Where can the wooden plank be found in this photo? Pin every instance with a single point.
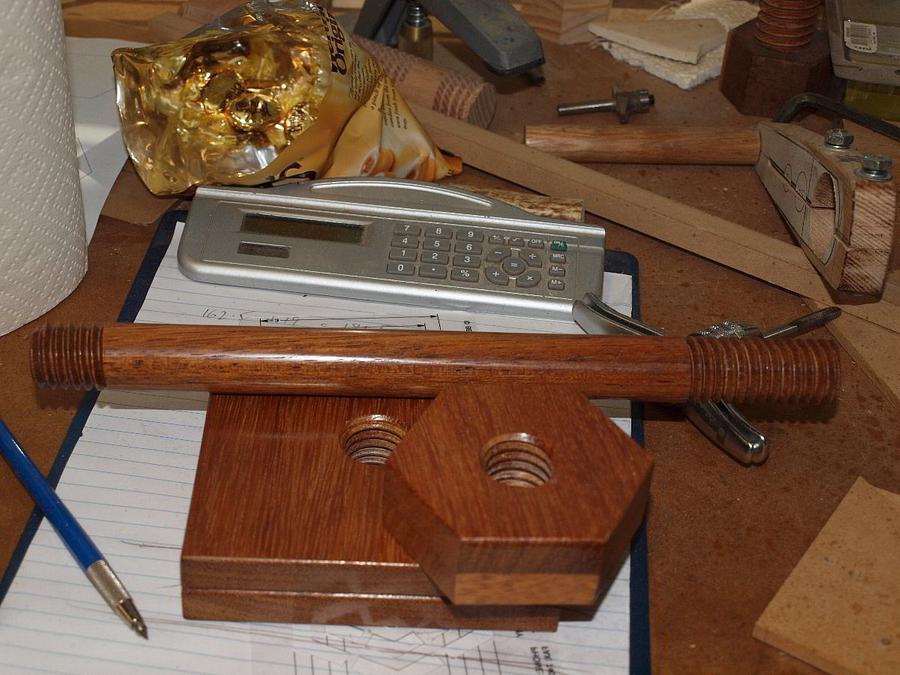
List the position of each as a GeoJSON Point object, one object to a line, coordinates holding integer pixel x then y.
{"type": "Point", "coordinates": [875, 349]}
{"type": "Point", "coordinates": [727, 243]}
{"type": "Point", "coordinates": [683, 40]}
{"type": "Point", "coordinates": [840, 608]}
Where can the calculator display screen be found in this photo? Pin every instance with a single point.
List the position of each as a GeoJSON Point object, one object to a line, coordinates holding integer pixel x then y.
{"type": "Point", "coordinates": [259, 223]}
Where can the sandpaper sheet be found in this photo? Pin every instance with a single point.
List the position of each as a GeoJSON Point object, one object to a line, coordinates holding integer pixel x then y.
{"type": "Point", "coordinates": [840, 608]}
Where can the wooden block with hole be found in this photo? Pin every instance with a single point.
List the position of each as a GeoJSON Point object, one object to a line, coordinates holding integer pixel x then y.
{"type": "Point", "coordinates": [285, 522]}
{"type": "Point", "coordinates": [512, 495]}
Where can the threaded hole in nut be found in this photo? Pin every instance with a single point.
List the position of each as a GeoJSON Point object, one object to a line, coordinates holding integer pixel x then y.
{"type": "Point", "coordinates": [372, 439]}
{"type": "Point", "coordinates": [516, 460]}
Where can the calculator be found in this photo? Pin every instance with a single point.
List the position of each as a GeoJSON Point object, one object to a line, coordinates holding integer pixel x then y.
{"type": "Point", "coordinates": [392, 240]}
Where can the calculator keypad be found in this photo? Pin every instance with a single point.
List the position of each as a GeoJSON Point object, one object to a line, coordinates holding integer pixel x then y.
{"type": "Point", "coordinates": [433, 271]}
{"type": "Point", "coordinates": [437, 245]}
{"type": "Point", "coordinates": [464, 254]}
{"type": "Point", "coordinates": [402, 254]}
{"type": "Point", "coordinates": [436, 257]}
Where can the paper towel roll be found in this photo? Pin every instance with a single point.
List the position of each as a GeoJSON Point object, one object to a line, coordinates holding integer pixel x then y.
{"type": "Point", "coordinates": [43, 253]}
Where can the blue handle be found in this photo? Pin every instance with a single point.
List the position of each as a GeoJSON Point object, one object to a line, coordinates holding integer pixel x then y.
{"type": "Point", "coordinates": [76, 539]}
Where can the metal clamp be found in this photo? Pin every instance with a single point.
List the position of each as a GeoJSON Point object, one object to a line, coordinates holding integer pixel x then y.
{"type": "Point", "coordinates": [720, 422]}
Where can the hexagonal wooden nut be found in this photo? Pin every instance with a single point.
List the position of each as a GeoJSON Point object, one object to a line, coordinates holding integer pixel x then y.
{"type": "Point", "coordinates": [509, 496]}
{"type": "Point", "coordinates": [758, 79]}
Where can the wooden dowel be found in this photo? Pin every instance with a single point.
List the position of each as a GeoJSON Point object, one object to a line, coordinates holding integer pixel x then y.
{"type": "Point", "coordinates": [421, 363]}
{"type": "Point", "coordinates": [646, 145]}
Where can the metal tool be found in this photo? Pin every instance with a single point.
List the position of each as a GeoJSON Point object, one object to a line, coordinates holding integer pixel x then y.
{"type": "Point", "coordinates": [623, 103]}
{"type": "Point", "coordinates": [493, 29]}
{"type": "Point", "coordinates": [720, 422]}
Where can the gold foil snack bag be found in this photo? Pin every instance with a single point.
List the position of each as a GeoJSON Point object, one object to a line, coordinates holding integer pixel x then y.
{"type": "Point", "coordinates": [268, 92]}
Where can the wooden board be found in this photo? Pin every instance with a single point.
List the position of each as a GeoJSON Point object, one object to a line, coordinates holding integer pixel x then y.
{"type": "Point", "coordinates": [875, 349]}
{"type": "Point", "coordinates": [840, 608]}
{"type": "Point", "coordinates": [282, 519]}
{"type": "Point", "coordinates": [678, 39]}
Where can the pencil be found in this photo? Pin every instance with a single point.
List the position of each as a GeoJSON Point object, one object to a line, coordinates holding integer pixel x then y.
{"type": "Point", "coordinates": [73, 536]}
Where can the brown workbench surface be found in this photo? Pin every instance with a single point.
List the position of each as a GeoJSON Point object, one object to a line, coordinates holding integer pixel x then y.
{"type": "Point", "coordinates": [722, 538]}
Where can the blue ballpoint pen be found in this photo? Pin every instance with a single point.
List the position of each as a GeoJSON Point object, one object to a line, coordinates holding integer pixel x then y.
{"type": "Point", "coordinates": [74, 537]}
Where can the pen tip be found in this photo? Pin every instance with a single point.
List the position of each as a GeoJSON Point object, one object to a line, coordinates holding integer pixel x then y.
{"type": "Point", "coordinates": [132, 616]}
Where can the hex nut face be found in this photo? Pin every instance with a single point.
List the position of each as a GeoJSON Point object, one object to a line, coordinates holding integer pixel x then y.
{"type": "Point", "coordinates": [516, 497]}
{"type": "Point", "coordinates": [758, 80]}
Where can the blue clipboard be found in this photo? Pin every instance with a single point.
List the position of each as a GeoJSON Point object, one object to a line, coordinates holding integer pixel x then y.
{"type": "Point", "coordinates": [616, 261]}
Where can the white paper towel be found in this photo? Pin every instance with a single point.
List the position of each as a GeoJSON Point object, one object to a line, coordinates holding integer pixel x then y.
{"type": "Point", "coordinates": [42, 238]}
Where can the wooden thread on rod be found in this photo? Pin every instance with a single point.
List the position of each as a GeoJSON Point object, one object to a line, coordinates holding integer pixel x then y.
{"type": "Point", "coordinates": [786, 25]}
{"type": "Point", "coordinates": [463, 96]}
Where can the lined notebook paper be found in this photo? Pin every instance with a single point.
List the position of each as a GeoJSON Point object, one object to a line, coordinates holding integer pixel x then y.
{"type": "Point", "coordinates": [129, 481]}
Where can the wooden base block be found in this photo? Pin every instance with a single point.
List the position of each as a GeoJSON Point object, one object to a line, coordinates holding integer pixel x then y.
{"type": "Point", "coordinates": [285, 525]}
{"type": "Point", "coordinates": [358, 609]}
{"type": "Point", "coordinates": [278, 505]}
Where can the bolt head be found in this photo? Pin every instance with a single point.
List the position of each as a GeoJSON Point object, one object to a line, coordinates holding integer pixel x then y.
{"type": "Point", "coordinates": [877, 163]}
{"type": "Point", "coordinates": [838, 138]}
{"type": "Point", "coordinates": [876, 167]}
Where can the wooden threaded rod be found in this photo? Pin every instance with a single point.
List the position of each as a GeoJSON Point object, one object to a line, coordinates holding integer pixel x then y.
{"type": "Point", "coordinates": [786, 25]}
{"type": "Point", "coordinates": [420, 364]}
{"type": "Point", "coordinates": [465, 97]}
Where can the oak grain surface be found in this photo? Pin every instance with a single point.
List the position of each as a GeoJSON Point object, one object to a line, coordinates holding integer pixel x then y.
{"type": "Point", "coordinates": [509, 495]}
{"type": "Point", "coordinates": [285, 525]}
